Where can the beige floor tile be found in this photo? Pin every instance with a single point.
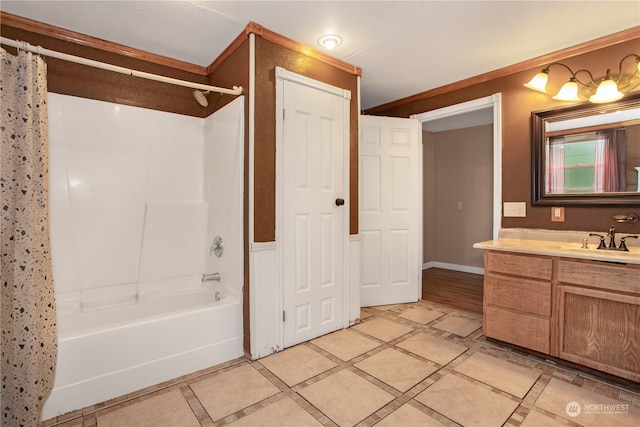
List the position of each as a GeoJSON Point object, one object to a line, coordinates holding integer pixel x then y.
{"type": "Point", "coordinates": [514, 379]}
{"type": "Point", "coordinates": [536, 418]}
{"type": "Point", "coordinates": [166, 410]}
{"type": "Point", "coordinates": [432, 348]}
{"type": "Point", "coordinates": [386, 307]}
{"type": "Point", "coordinates": [346, 398]}
{"type": "Point", "coordinates": [408, 416]}
{"type": "Point", "coordinates": [297, 364]}
{"type": "Point", "coordinates": [421, 314]}
{"type": "Point", "coordinates": [365, 314]}
{"type": "Point", "coordinates": [283, 413]}
{"type": "Point", "coordinates": [233, 390]}
{"type": "Point", "coordinates": [345, 344]}
{"type": "Point", "coordinates": [459, 325]}
{"type": "Point", "coordinates": [467, 403]}
{"type": "Point", "coordinates": [383, 329]}
{"type": "Point", "coordinates": [396, 369]}
{"type": "Point", "coordinates": [586, 407]}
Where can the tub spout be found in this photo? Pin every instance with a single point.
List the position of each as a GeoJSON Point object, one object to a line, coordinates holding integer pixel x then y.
{"type": "Point", "coordinates": [213, 276]}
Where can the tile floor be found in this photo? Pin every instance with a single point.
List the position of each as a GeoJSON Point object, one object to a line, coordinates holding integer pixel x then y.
{"type": "Point", "coordinates": [418, 364]}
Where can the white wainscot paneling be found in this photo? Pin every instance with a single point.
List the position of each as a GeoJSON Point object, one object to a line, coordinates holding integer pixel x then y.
{"type": "Point", "coordinates": [353, 286]}
{"type": "Point", "coordinates": [266, 314]}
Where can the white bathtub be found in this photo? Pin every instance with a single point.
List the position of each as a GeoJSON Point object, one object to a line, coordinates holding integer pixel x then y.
{"type": "Point", "coordinates": [111, 349]}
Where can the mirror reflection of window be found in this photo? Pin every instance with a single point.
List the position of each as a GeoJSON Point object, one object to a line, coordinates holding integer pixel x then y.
{"type": "Point", "coordinates": [589, 162]}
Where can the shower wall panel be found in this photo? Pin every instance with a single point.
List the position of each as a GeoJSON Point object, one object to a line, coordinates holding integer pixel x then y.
{"type": "Point", "coordinates": [223, 188]}
{"type": "Point", "coordinates": [108, 161]}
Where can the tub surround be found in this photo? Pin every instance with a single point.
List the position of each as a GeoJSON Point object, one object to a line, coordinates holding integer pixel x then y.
{"type": "Point", "coordinates": [544, 293]}
{"type": "Point", "coordinates": [137, 197]}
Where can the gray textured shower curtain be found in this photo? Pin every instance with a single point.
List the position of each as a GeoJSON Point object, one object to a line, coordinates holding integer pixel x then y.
{"type": "Point", "coordinates": [27, 304]}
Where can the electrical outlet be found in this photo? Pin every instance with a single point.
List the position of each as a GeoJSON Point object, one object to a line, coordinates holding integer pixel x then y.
{"type": "Point", "coordinates": [514, 209]}
{"type": "Point", "coordinates": [557, 214]}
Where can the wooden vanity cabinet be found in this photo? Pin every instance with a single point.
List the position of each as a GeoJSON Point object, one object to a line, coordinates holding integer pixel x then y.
{"type": "Point", "coordinates": [517, 299]}
{"type": "Point", "coordinates": [583, 311]}
{"type": "Point", "coordinates": [599, 316]}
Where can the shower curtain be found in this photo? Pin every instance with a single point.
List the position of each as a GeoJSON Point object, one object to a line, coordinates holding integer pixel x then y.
{"type": "Point", "coordinates": [27, 304]}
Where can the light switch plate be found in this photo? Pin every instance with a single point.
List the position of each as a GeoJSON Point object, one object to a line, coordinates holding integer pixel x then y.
{"type": "Point", "coordinates": [514, 209]}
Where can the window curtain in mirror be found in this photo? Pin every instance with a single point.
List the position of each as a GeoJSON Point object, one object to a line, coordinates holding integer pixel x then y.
{"type": "Point", "coordinates": [609, 174]}
{"type": "Point", "coordinates": [27, 303]}
{"type": "Point", "coordinates": [554, 181]}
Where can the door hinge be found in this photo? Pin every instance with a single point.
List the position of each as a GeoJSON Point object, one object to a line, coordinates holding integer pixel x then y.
{"type": "Point", "coordinates": [283, 315]}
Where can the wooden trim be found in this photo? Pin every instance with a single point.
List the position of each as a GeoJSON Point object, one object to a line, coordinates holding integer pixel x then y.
{"type": "Point", "coordinates": [95, 43]}
{"type": "Point", "coordinates": [235, 44]}
{"type": "Point", "coordinates": [540, 61]}
{"type": "Point", "coordinates": [285, 42]}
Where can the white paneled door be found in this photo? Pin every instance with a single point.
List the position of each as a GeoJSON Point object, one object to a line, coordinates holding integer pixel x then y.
{"type": "Point", "coordinates": [390, 210]}
{"type": "Point", "coordinates": [313, 208]}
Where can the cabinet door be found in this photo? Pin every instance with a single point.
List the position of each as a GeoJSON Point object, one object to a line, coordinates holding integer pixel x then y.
{"type": "Point", "coordinates": [600, 329]}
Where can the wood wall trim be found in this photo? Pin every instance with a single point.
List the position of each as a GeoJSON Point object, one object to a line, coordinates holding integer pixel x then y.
{"type": "Point", "coordinates": [235, 44]}
{"type": "Point", "coordinates": [92, 42]}
{"type": "Point", "coordinates": [259, 30]}
{"type": "Point", "coordinates": [96, 43]}
{"type": "Point", "coordinates": [539, 61]}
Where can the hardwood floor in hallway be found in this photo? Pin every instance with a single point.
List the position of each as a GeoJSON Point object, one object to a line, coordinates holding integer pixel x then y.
{"type": "Point", "coordinates": [455, 289]}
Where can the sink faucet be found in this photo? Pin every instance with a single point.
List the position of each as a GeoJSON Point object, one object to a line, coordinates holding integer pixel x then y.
{"type": "Point", "coordinates": [611, 234]}
{"type": "Point", "coordinates": [612, 237]}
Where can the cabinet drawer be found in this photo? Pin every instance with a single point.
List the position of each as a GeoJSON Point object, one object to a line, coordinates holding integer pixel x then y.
{"type": "Point", "coordinates": [528, 296]}
{"type": "Point", "coordinates": [524, 330]}
{"type": "Point", "coordinates": [521, 265]}
{"type": "Point", "coordinates": [600, 275]}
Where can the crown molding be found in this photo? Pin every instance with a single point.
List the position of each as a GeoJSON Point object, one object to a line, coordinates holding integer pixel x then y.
{"type": "Point", "coordinates": [96, 43]}
{"type": "Point", "coordinates": [540, 61]}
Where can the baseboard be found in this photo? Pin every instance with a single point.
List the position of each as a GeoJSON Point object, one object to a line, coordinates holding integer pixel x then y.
{"type": "Point", "coordinates": [454, 267]}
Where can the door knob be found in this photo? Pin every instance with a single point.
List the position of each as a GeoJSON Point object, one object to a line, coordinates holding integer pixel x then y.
{"type": "Point", "coordinates": [339, 202]}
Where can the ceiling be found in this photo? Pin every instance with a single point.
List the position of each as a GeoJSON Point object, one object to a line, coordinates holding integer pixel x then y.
{"type": "Point", "coordinates": [402, 47]}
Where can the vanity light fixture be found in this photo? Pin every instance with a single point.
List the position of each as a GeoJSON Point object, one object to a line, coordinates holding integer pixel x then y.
{"type": "Point", "coordinates": [604, 89]}
{"type": "Point", "coordinates": [330, 41]}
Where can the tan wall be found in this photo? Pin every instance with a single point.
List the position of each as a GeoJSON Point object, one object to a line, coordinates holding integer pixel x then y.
{"type": "Point", "coordinates": [83, 81]}
{"type": "Point", "coordinates": [517, 104]}
{"type": "Point", "coordinates": [269, 55]}
{"type": "Point", "coordinates": [458, 169]}
{"type": "Point", "coordinates": [428, 196]}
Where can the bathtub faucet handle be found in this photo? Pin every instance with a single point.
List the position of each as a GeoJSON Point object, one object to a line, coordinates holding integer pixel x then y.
{"type": "Point", "coordinates": [208, 277]}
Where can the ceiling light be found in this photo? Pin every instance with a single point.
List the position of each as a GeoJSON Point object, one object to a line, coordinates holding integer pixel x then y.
{"type": "Point", "coordinates": [329, 41]}
{"type": "Point", "coordinates": [605, 89]}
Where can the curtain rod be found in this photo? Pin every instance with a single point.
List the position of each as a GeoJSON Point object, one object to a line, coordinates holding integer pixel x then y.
{"type": "Point", "coordinates": [237, 90]}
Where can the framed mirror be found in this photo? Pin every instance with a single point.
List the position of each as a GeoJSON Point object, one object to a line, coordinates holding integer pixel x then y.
{"type": "Point", "coordinates": [587, 154]}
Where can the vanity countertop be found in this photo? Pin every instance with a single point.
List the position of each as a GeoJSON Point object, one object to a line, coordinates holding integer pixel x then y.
{"type": "Point", "coordinates": [562, 249]}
